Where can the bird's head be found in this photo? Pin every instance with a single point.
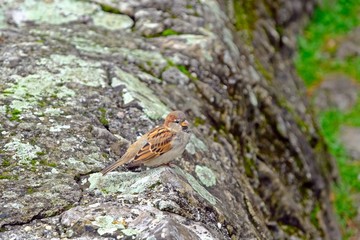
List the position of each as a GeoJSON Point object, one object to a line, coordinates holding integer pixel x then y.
{"type": "Point", "coordinates": [176, 121]}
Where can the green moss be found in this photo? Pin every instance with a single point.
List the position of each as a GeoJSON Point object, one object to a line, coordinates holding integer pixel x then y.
{"type": "Point", "coordinates": [103, 118]}
{"type": "Point", "coordinates": [291, 230]}
{"type": "Point", "coordinates": [7, 175]}
{"type": "Point", "coordinates": [68, 207]}
{"type": "Point", "coordinates": [52, 164]}
{"type": "Point", "coordinates": [313, 216]}
{"type": "Point", "coordinates": [245, 16]}
{"type": "Point", "coordinates": [153, 186]}
{"type": "Point", "coordinates": [45, 162]}
{"type": "Point", "coordinates": [4, 176]}
{"type": "Point", "coordinates": [40, 153]}
{"type": "Point", "coordinates": [169, 32]}
{"type": "Point", "coordinates": [42, 103]}
{"type": "Point", "coordinates": [249, 167]}
{"type": "Point", "coordinates": [198, 121]}
{"type": "Point", "coordinates": [14, 114]}
{"type": "Point", "coordinates": [30, 190]}
{"type": "Point", "coordinates": [33, 162]}
{"type": "Point", "coordinates": [184, 70]}
{"type": "Point", "coordinates": [265, 73]}
{"type": "Point", "coordinates": [5, 162]}
{"type": "Point", "coordinates": [109, 8]}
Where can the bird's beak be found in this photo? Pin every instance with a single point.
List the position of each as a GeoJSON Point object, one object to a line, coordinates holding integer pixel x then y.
{"type": "Point", "coordinates": [184, 123]}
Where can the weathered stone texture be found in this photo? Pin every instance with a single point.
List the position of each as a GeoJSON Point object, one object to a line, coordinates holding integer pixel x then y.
{"type": "Point", "coordinates": [79, 80]}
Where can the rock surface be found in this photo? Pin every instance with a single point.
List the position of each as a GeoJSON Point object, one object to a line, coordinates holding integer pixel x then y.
{"type": "Point", "coordinates": [336, 91]}
{"type": "Point", "coordinates": [350, 137]}
{"type": "Point", "coordinates": [79, 80]}
{"type": "Point", "coordinates": [349, 47]}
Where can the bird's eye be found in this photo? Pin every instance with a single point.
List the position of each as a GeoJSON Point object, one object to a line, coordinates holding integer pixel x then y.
{"type": "Point", "coordinates": [176, 121]}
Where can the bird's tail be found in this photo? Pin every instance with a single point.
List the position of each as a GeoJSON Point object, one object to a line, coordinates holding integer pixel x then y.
{"type": "Point", "coordinates": [113, 166]}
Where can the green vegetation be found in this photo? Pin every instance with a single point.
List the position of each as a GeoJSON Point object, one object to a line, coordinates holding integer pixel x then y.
{"type": "Point", "coordinates": [245, 17]}
{"type": "Point", "coordinates": [6, 163]}
{"type": "Point", "coordinates": [331, 23]}
{"type": "Point", "coordinates": [199, 121]}
{"type": "Point", "coordinates": [4, 176]}
{"type": "Point", "coordinates": [14, 114]}
{"type": "Point", "coordinates": [313, 216]}
{"type": "Point", "coordinates": [7, 175]}
{"type": "Point", "coordinates": [110, 9]}
{"type": "Point", "coordinates": [321, 40]}
{"type": "Point", "coordinates": [182, 69]}
{"type": "Point", "coordinates": [30, 190]}
{"type": "Point", "coordinates": [45, 162]}
{"type": "Point", "coordinates": [331, 122]}
{"type": "Point", "coordinates": [103, 118]}
{"type": "Point", "coordinates": [169, 32]}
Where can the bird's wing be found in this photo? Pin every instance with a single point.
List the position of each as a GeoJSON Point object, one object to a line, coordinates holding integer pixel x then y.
{"type": "Point", "coordinates": [158, 143]}
{"type": "Point", "coordinates": [128, 156]}
{"type": "Point", "coordinates": [151, 145]}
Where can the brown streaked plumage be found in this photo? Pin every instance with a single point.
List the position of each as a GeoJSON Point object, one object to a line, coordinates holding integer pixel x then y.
{"type": "Point", "coordinates": [159, 146]}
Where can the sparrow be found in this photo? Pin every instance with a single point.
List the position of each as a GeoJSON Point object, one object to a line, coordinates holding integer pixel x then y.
{"type": "Point", "coordinates": [159, 146]}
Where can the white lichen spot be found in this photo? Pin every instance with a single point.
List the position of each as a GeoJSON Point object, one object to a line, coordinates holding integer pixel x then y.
{"type": "Point", "coordinates": [24, 152]}
{"type": "Point", "coordinates": [205, 175]}
{"type": "Point", "coordinates": [75, 164]}
{"type": "Point", "coordinates": [83, 181]}
{"type": "Point", "coordinates": [197, 186]}
{"type": "Point", "coordinates": [135, 89]}
{"type": "Point", "coordinates": [128, 97]}
{"type": "Point", "coordinates": [63, 92]}
{"type": "Point", "coordinates": [59, 128]}
{"type": "Point", "coordinates": [53, 111]}
{"type": "Point", "coordinates": [195, 144]}
{"type": "Point", "coordinates": [112, 21]}
{"type": "Point", "coordinates": [130, 231]}
{"type": "Point", "coordinates": [252, 98]}
{"type": "Point", "coordinates": [14, 205]}
{"type": "Point", "coordinates": [29, 90]}
{"type": "Point", "coordinates": [20, 104]}
{"type": "Point", "coordinates": [190, 148]}
{"type": "Point", "coordinates": [94, 180]}
{"type": "Point", "coordinates": [108, 224]}
{"type": "Point", "coordinates": [28, 229]}
{"type": "Point", "coordinates": [253, 74]}
{"type": "Point", "coordinates": [2, 109]}
{"type": "Point", "coordinates": [52, 12]}
{"type": "Point", "coordinates": [125, 182]}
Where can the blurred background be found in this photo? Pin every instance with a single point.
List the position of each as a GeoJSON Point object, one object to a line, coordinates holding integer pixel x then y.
{"type": "Point", "coordinates": [329, 63]}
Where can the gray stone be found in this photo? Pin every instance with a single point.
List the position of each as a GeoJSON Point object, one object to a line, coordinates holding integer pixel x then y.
{"type": "Point", "coordinates": [349, 47]}
{"type": "Point", "coordinates": [80, 80]}
{"type": "Point", "coordinates": [336, 91]}
{"type": "Point", "coordinates": [350, 137]}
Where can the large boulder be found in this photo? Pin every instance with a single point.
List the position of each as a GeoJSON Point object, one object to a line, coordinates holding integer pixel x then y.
{"type": "Point", "coordinates": [79, 80]}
